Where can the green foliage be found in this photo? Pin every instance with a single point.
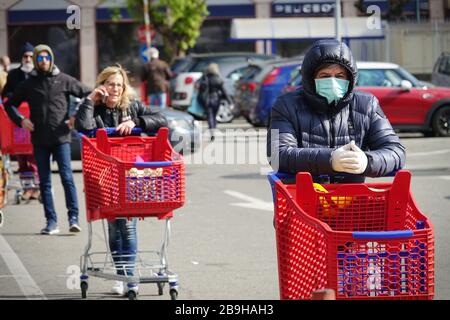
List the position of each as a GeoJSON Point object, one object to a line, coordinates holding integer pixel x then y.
{"type": "Point", "coordinates": [178, 22]}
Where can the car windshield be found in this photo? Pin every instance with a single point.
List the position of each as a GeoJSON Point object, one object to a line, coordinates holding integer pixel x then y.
{"type": "Point", "coordinates": [201, 64]}
{"type": "Point", "coordinates": [180, 65]}
{"type": "Point", "coordinates": [384, 77]}
{"type": "Point", "coordinates": [244, 73]}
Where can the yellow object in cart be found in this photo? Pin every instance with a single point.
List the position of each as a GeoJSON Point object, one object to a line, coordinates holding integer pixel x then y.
{"type": "Point", "coordinates": [329, 209]}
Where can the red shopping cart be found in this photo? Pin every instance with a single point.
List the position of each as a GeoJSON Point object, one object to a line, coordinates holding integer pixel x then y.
{"type": "Point", "coordinates": [16, 141]}
{"type": "Point", "coordinates": [364, 241]}
{"type": "Point", "coordinates": [131, 177]}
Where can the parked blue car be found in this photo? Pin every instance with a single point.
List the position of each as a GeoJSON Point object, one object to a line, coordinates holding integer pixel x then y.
{"type": "Point", "coordinates": [260, 85]}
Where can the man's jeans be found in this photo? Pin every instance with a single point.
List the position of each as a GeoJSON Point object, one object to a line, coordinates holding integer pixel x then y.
{"type": "Point", "coordinates": [61, 154]}
{"type": "Point", "coordinates": [158, 99]}
{"type": "Point", "coordinates": [123, 244]}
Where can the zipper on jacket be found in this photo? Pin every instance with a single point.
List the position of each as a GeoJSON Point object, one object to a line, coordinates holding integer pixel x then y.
{"type": "Point", "coordinates": [332, 144]}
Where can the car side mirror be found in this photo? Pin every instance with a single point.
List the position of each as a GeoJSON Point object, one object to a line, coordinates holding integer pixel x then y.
{"type": "Point", "coordinates": [406, 85]}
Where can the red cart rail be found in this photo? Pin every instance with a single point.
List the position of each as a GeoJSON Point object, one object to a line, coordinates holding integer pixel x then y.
{"type": "Point", "coordinates": [365, 241]}
{"type": "Point", "coordinates": [14, 140]}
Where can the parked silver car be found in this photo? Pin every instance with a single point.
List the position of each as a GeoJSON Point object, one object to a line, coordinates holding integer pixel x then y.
{"type": "Point", "coordinates": [441, 71]}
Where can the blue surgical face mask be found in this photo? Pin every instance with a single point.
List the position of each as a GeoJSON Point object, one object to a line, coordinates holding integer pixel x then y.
{"type": "Point", "coordinates": [332, 88]}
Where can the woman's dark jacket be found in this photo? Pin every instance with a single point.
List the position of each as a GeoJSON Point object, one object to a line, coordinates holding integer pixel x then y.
{"type": "Point", "coordinates": [212, 90]}
{"type": "Point", "coordinates": [304, 129]}
{"type": "Point", "coordinates": [91, 117]}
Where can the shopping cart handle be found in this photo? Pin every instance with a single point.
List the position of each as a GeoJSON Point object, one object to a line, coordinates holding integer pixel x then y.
{"type": "Point", "coordinates": [110, 132]}
{"type": "Point", "coordinates": [291, 176]}
{"type": "Point", "coordinates": [382, 234]}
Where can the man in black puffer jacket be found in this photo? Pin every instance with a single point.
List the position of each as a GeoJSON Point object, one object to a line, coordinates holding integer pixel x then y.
{"type": "Point", "coordinates": [325, 128]}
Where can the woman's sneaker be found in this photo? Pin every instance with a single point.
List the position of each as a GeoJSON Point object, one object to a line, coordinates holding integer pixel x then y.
{"type": "Point", "coordinates": [118, 288]}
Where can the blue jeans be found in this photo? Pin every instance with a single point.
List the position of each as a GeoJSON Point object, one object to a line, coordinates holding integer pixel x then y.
{"type": "Point", "coordinates": [61, 154]}
{"type": "Point", "coordinates": [123, 244]}
{"type": "Point", "coordinates": [157, 99]}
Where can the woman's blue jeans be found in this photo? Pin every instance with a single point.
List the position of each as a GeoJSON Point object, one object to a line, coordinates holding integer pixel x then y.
{"type": "Point", "coordinates": [123, 244]}
{"type": "Point", "coordinates": [61, 154]}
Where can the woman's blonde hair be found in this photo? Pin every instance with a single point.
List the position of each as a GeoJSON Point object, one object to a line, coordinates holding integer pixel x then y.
{"type": "Point", "coordinates": [127, 92]}
{"type": "Point", "coordinates": [213, 68]}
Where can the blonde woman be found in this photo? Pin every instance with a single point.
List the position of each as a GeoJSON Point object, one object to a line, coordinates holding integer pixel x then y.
{"type": "Point", "coordinates": [111, 104]}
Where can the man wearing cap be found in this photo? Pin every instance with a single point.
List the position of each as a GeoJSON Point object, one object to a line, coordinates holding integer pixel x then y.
{"type": "Point", "coordinates": [47, 92]}
{"type": "Point", "coordinates": [27, 163]}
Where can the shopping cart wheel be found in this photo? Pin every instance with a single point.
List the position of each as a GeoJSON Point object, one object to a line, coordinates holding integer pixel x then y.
{"type": "Point", "coordinates": [84, 288]}
{"type": "Point", "coordinates": [160, 288]}
{"type": "Point", "coordinates": [17, 198]}
{"type": "Point", "coordinates": [173, 294]}
{"type": "Point", "coordinates": [132, 295]}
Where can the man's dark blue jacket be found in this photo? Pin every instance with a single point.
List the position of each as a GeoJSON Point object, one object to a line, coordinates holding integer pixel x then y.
{"type": "Point", "coordinates": [304, 129]}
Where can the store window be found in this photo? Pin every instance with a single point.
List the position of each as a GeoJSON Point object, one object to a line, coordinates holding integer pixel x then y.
{"type": "Point", "coordinates": [118, 43]}
{"type": "Point", "coordinates": [63, 42]}
{"type": "Point", "coordinates": [291, 48]}
{"type": "Point", "coordinates": [215, 37]}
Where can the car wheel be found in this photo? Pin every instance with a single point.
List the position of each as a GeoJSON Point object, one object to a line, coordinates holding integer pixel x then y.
{"type": "Point", "coordinates": [225, 112]}
{"type": "Point", "coordinates": [441, 122]}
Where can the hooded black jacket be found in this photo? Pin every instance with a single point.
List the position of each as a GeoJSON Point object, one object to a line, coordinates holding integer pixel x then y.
{"type": "Point", "coordinates": [308, 129]}
{"type": "Point", "coordinates": [47, 95]}
{"type": "Point", "coordinates": [212, 90]}
{"type": "Point", "coordinates": [90, 117]}
{"type": "Point", "coordinates": [15, 77]}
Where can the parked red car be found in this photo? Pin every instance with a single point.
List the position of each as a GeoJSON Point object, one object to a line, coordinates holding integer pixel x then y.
{"type": "Point", "coordinates": [409, 104]}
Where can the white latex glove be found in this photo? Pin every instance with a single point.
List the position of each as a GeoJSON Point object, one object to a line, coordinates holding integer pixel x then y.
{"type": "Point", "coordinates": [339, 155]}
{"type": "Point", "coordinates": [349, 158]}
{"type": "Point", "coordinates": [361, 165]}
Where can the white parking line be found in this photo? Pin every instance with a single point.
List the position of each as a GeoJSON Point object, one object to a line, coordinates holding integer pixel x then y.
{"type": "Point", "coordinates": [250, 202]}
{"type": "Point", "coordinates": [26, 283]}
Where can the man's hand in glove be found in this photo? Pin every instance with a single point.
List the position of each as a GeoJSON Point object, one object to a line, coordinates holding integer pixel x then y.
{"type": "Point", "coordinates": [349, 158]}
